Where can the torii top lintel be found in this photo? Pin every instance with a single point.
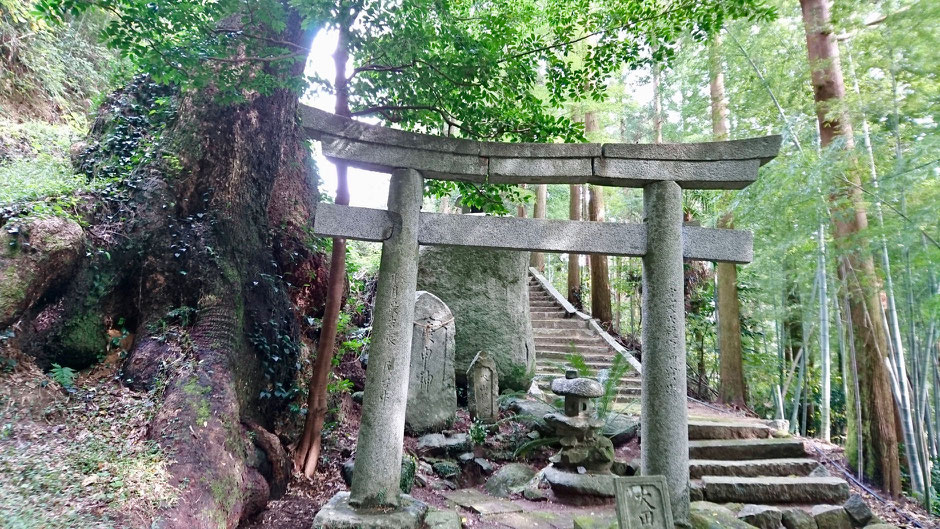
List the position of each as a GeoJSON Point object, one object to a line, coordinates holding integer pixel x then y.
{"type": "Point", "coordinates": [710, 165]}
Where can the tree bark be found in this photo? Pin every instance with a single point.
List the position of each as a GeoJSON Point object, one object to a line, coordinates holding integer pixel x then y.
{"type": "Point", "coordinates": [205, 256]}
{"type": "Point", "coordinates": [537, 259]}
{"type": "Point", "coordinates": [600, 274]}
{"type": "Point", "coordinates": [574, 260]}
{"type": "Point", "coordinates": [849, 219]}
{"type": "Point", "coordinates": [731, 387]}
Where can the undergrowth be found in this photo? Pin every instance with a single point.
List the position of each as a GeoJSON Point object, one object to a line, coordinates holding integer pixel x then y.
{"type": "Point", "coordinates": [78, 460]}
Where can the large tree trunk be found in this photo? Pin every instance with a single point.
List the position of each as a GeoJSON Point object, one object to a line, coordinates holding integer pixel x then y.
{"type": "Point", "coordinates": [203, 252]}
{"type": "Point", "coordinates": [731, 388]}
{"type": "Point", "coordinates": [857, 270]}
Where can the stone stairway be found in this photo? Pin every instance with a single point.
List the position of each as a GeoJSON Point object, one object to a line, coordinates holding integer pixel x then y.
{"type": "Point", "coordinates": [560, 331]}
{"type": "Point", "coordinates": [742, 463]}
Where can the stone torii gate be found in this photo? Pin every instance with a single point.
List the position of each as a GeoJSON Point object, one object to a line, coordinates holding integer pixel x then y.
{"type": "Point", "coordinates": [662, 170]}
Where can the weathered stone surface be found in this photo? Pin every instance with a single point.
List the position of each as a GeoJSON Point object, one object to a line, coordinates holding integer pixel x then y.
{"type": "Point", "coordinates": [763, 149]}
{"type": "Point", "coordinates": [831, 517]}
{"type": "Point", "coordinates": [703, 430]}
{"type": "Point", "coordinates": [437, 444]}
{"type": "Point", "coordinates": [795, 518]}
{"type": "Point", "coordinates": [820, 472]}
{"type": "Point", "coordinates": [620, 428]}
{"type": "Point", "coordinates": [751, 468]}
{"type": "Point", "coordinates": [509, 479]}
{"type": "Point", "coordinates": [696, 491]}
{"type": "Point", "coordinates": [432, 393]}
{"type": "Point", "coordinates": [533, 411]}
{"type": "Point", "coordinates": [624, 468]}
{"type": "Point", "coordinates": [775, 489]}
{"type": "Point", "coordinates": [643, 501]}
{"type": "Point", "coordinates": [377, 471]}
{"type": "Point", "coordinates": [543, 235]}
{"type": "Point", "coordinates": [761, 516]}
{"type": "Point", "coordinates": [337, 514]}
{"type": "Point", "coordinates": [439, 519]}
{"type": "Point", "coordinates": [736, 450]}
{"type": "Point", "coordinates": [664, 428]}
{"type": "Point", "coordinates": [381, 148]}
{"type": "Point", "coordinates": [881, 526]}
{"type": "Point", "coordinates": [573, 484]}
{"type": "Point", "coordinates": [707, 515]}
{"type": "Point", "coordinates": [577, 387]}
{"type": "Point", "coordinates": [487, 291]}
{"type": "Point", "coordinates": [483, 465]}
{"type": "Point", "coordinates": [716, 174]}
{"type": "Point", "coordinates": [481, 503]}
{"type": "Point", "coordinates": [483, 388]}
{"type": "Point", "coordinates": [858, 510]}
{"type": "Point", "coordinates": [533, 493]}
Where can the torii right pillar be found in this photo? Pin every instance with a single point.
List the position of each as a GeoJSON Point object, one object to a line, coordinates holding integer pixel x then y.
{"type": "Point", "coordinates": [664, 417]}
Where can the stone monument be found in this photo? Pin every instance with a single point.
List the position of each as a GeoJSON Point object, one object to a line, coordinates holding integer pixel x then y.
{"type": "Point", "coordinates": [432, 394]}
{"type": "Point", "coordinates": [582, 467]}
{"type": "Point", "coordinates": [484, 388]}
{"type": "Point", "coordinates": [643, 503]}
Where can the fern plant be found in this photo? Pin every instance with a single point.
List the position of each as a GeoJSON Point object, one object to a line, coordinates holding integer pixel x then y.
{"type": "Point", "coordinates": [65, 376]}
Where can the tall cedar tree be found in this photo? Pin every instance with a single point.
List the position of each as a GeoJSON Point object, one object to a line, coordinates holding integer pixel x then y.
{"type": "Point", "coordinates": [856, 267]}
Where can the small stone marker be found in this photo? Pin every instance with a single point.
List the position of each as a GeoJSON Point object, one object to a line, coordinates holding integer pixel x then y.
{"type": "Point", "coordinates": [432, 394]}
{"type": "Point", "coordinates": [643, 503]}
{"type": "Point", "coordinates": [484, 388]}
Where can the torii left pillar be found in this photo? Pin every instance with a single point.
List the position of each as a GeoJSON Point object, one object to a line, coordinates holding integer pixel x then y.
{"type": "Point", "coordinates": [375, 499]}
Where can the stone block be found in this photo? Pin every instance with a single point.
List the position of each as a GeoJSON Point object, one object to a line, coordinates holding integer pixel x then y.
{"type": "Point", "coordinates": [858, 510]}
{"type": "Point", "coordinates": [752, 467]}
{"type": "Point", "coordinates": [703, 430]}
{"type": "Point", "coordinates": [775, 490]}
{"type": "Point", "coordinates": [736, 450]}
{"type": "Point", "coordinates": [572, 485]}
{"type": "Point", "coordinates": [509, 479]}
{"type": "Point", "coordinates": [708, 515]}
{"type": "Point", "coordinates": [831, 517]}
{"type": "Point", "coordinates": [643, 501]}
{"type": "Point", "coordinates": [483, 388]}
{"type": "Point", "coordinates": [795, 518]}
{"type": "Point", "coordinates": [338, 514]}
{"type": "Point", "coordinates": [761, 516]}
{"type": "Point", "coordinates": [436, 444]}
{"type": "Point", "coordinates": [438, 519]}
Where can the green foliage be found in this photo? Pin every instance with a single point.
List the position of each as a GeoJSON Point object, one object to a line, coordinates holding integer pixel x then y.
{"type": "Point", "coordinates": [52, 73]}
{"type": "Point", "coordinates": [65, 376]}
{"type": "Point", "coordinates": [477, 432]}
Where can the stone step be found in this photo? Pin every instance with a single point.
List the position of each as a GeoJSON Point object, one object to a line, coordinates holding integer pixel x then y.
{"type": "Point", "coordinates": [547, 375]}
{"type": "Point", "coordinates": [543, 303]}
{"type": "Point", "coordinates": [547, 315]}
{"type": "Point", "coordinates": [582, 333]}
{"type": "Point", "coordinates": [742, 449]}
{"type": "Point", "coordinates": [557, 323]}
{"type": "Point", "coordinates": [751, 469]}
{"type": "Point", "coordinates": [703, 430]}
{"type": "Point", "coordinates": [622, 390]}
{"type": "Point", "coordinates": [775, 490]}
{"type": "Point", "coordinates": [602, 352]}
{"type": "Point", "coordinates": [561, 340]}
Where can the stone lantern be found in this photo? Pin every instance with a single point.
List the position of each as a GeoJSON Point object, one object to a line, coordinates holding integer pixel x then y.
{"type": "Point", "coordinates": [582, 467]}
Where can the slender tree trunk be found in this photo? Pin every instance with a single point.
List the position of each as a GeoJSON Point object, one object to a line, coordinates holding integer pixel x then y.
{"type": "Point", "coordinates": [520, 209]}
{"type": "Point", "coordinates": [825, 432]}
{"type": "Point", "coordinates": [857, 267]}
{"type": "Point", "coordinates": [537, 259]}
{"type": "Point", "coordinates": [657, 106]}
{"type": "Point", "coordinates": [307, 453]}
{"type": "Point", "coordinates": [574, 260]}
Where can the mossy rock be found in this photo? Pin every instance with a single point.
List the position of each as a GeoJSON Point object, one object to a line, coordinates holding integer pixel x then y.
{"type": "Point", "coordinates": [707, 515]}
